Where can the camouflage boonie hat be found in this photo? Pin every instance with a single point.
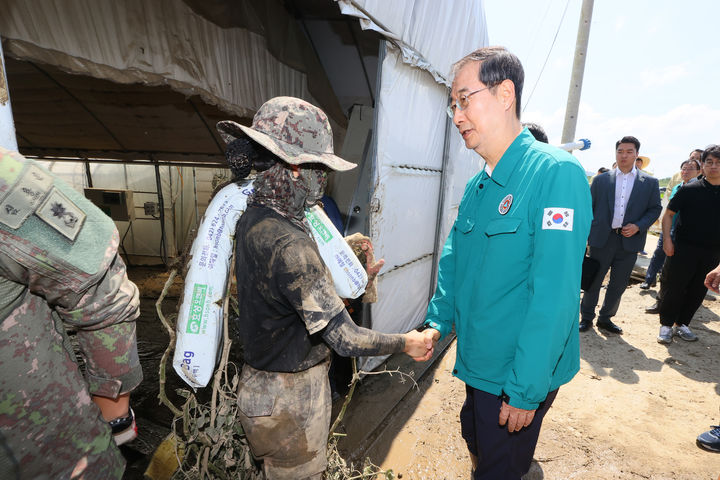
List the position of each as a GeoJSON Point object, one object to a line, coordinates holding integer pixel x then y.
{"type": "Point", "coordinates": [293, 129]}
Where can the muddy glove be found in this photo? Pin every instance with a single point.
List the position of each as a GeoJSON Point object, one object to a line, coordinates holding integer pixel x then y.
{"type": "Point", "coordinates": [363, 249]}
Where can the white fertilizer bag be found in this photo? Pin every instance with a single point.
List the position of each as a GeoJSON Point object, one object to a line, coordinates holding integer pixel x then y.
{"type": "Point", "coordinates": [348, 274]}
{"type": "Point", "coordinates": [200, 320]}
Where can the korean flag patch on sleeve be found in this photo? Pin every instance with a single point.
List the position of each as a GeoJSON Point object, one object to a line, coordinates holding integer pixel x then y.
{"type": "Point", "coordinates": [558, 218]}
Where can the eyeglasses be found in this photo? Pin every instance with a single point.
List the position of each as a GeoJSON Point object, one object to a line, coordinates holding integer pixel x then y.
{"type": "Point", "coordinates": [462, 103]}
{"type": "Point", "coordinates": [688, 169]}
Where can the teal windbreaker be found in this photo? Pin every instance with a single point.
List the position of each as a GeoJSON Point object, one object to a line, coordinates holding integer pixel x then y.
{"type": "Point", "coordinates": [509, 276]}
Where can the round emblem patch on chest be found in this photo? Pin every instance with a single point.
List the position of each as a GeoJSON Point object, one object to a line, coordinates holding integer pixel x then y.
{"type": "Point", "coordinates": [505, 204]}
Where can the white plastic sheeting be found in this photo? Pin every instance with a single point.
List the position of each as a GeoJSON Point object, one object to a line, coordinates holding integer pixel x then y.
{"type": "Point", "coordinates": [157, 42]}
{"type": "Point", "coordinates": [181, 203]}
{"type": "Point", "coordinates": [425, 38]}
{"type": "Point", "coordinates": [431, 35]}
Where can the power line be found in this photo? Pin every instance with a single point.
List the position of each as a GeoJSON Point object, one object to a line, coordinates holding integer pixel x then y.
{"type": "Point", "coordinates": [540, 26]}
{"type": "Point", "coordinates": [547, 57]}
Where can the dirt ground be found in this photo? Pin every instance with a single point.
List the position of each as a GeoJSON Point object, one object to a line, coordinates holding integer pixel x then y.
{"type": "Point", "coordinates": [632, 412]}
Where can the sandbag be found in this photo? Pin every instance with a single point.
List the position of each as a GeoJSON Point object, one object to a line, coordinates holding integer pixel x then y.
{"type": "Point", "coordinates": [200, 319]}
{"type": "Point", "coordinates": [349, 276]}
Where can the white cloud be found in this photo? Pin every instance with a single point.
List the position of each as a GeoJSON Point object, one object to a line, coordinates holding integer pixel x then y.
{"type": "Point", "coordinates": [663, 76]}
{"type": "Point", "coordinates": [666, 138]}
{"type": "Point", "coordinates": [619, 23]}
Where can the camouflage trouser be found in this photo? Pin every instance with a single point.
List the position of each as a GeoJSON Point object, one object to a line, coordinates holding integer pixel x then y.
{"type": "Point", "coordinates": [286, 417]}
{"type": "Point", "coordinates": [48, 422]}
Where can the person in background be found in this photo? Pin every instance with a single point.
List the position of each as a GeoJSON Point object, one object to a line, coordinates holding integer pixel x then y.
{"type": "Point", "coordinates": [626, 202]}
{"type": "Point", "coordinates": [689, 170]}
{"type": "Point", "coordinates": [60, 271]}
{"type": "Point", "coordinates": [696, 155]}
{"type": "Point", "coordinates": [693, 252]}
{"type": "Point", "coordinates": [710, 440]}
{"type": "Point", "coordinates": [333, 212]}
{"type": "Point", "coordinates": [641, 163]}
{"type": "Point", "coordinates": [289, 314]}
{"type": "Point", "coordinates": [601, 170]}
{"type": "Point", "coordinates": [537, 131]}
{"type": "Point", "coordinates": [509, 275]}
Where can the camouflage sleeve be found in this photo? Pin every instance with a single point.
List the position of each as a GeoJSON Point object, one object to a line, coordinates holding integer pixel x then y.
{"type": "Point", "coordinates": [350, 340]}
{"type": "Point", "coordinates": [306, 283]}
{"type": "Point", "coordinates": [101, 306]}
{"type": "Point", "coordinates": [104, 317]}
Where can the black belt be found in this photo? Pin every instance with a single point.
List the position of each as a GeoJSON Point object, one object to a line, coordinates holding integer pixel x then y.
{"type": "Point", "coordinates": [617, 231]}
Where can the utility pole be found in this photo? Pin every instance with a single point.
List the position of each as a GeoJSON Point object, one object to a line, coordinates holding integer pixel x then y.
{"type": "Point", "coordinates": [573, 102]}
{"type": "Point", "coordinates": [7, 125]}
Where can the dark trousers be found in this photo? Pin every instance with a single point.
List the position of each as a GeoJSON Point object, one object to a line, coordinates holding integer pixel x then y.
{"type": "Point", "coordinates": [501, 455]}
{"type": "Point", "coordinates": [620, 262]}
{"type": "Point", "coordinates": [656, 262]}
{"type": "Point", "coordinates": [683, 286]}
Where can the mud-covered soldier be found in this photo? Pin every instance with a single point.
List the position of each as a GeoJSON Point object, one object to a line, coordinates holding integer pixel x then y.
{"type": "Point", "coordinates": [509, 275]}
{"type": "Point", "coordinates": [60, 268]}
{"type": "Point", "coordinates": [290, 315]}
{"type": "Point", "coordinates": [244, 156]}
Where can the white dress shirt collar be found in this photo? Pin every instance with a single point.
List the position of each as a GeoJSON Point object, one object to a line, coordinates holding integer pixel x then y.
{"type": "Point", "coordinates": [623, 188]}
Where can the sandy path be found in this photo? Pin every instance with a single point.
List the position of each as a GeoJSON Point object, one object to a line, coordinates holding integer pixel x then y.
{"type": "Point", "coordinates": [632, 412]}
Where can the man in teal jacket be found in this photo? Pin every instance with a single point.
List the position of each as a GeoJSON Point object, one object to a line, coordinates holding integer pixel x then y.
{"type": "Point", "coordinates": [509, 278]}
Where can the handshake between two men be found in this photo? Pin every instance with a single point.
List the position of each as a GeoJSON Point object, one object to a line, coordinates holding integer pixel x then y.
{"type": "Point", "coordinates": [420, 345]}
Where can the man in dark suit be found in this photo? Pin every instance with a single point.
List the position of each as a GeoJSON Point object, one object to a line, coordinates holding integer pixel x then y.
{"type": "Point", "coordinates": [626, 201]}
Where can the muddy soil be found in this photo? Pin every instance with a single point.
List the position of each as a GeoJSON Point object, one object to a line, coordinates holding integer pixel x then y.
{"type": "Point", "coordinates": [632, 412]}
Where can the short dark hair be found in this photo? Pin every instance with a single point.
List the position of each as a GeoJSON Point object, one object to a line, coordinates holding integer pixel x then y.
{"type": "Point", "coordinates": [603, 170]}
{"type": "Point", "coordinates": [699, 150]}
{"type": "Point", "coordinates": [496, 65]}
{"type": "Point", "coordinates": [711, 150]}
{"type": "Point", "coordinates": [695, 162]}
{"type": "Point", "coordinates": [629, 139]}
{"type": "Point", "coordinates": [537, 131]}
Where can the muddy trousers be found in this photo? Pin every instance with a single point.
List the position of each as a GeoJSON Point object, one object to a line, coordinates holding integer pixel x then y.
{"type": "Point", "coordinates": [683, 288]}
{"type": "Point", "coordinates": [286, 417]}
{"type": "Point", "coordinates": [501, 455]}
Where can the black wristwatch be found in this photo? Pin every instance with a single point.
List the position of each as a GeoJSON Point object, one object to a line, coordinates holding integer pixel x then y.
{"type": "Point", "coordinates": [505, 397]}
{"type": "Point", "coordinates": [422, 327]}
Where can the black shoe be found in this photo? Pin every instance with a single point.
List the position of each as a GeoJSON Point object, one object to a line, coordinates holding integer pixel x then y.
{"type": "Point", "coordinates": [654, 308]}
{"type": "Point", "coordinates": [585, 325]}
{"type": "Point", "coordinates": [609, 326]}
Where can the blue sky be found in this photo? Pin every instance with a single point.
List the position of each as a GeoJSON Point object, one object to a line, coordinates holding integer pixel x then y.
{"type": "Point", "coordinates": [652, 71]}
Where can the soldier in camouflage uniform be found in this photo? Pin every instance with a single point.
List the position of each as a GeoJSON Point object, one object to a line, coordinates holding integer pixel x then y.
{"type": "Point", "coordinates": [60, 268]}
{"type": "Point", "coordinates": [289, 314]}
